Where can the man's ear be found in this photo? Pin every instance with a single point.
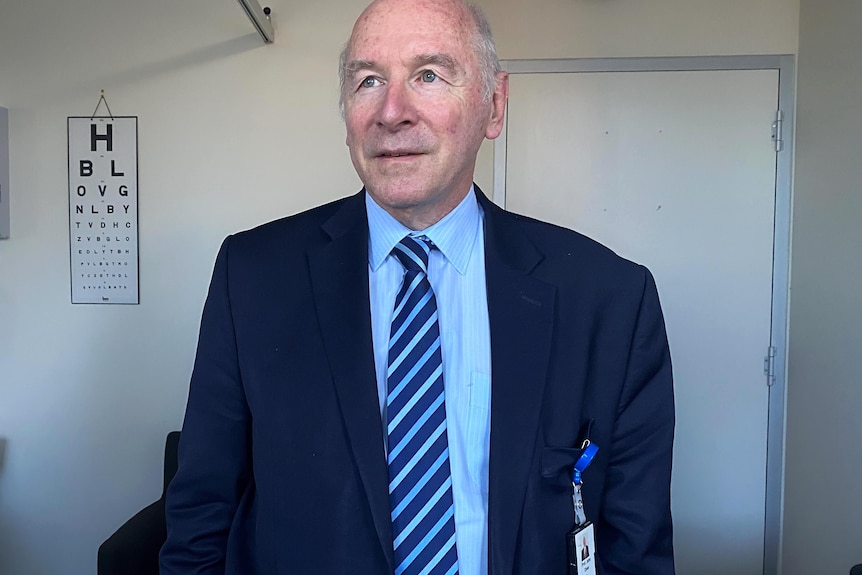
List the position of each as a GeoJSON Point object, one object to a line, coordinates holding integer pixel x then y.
{"type": "Point", "coordinates": [498, 106]}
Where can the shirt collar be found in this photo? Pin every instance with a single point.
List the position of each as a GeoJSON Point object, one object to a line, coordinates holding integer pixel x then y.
{"type": "Point", "coordinates": [454, 235]}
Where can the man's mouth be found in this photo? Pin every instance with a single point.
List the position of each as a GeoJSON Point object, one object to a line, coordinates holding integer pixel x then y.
{"type": "Point", "coordinates": [396, 154]}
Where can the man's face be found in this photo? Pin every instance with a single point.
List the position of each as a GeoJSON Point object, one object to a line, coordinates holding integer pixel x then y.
{"type": "Point", "coordinates": [414, 107]}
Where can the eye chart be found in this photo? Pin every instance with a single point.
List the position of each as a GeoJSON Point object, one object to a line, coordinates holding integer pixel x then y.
{"type": "Point", "coordinates": [103, 209]}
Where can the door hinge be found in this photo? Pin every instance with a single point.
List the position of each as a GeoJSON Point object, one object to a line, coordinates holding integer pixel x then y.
{"type": "Point", "coordinates": [778, 131]}
{"type": "Point", "coordinates": [769, 366]}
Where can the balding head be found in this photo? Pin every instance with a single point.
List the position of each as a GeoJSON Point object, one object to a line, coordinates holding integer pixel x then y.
{"type": "Point", "coordinates": [468, 15]}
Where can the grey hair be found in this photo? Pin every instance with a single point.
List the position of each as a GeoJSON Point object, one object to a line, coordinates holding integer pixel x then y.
{"type": "Point", "coordinates": [486, 50]}
{"type": "Point", "coordinates": [342, 73]}
{"type": "Point", "coordinates": [483, 46]}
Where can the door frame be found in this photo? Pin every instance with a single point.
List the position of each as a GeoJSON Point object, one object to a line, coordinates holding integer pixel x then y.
{"type": "Point", "coordinates": [785, 64]}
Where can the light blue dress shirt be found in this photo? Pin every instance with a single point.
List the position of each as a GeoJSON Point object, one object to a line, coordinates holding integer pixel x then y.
{"type": "Point", "coordinates": [456, 271]}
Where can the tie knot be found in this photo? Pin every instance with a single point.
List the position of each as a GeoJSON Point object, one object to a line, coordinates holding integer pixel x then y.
{"type": "Point", "coordinates": [413, 253]}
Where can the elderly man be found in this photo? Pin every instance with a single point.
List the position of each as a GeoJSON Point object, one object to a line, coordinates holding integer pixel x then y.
{"type": "Point", "coordinates": [402, 381]}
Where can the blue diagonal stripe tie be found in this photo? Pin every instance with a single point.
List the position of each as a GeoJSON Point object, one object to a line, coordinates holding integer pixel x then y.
{"type": "Point", "coordinates": [420, 481]}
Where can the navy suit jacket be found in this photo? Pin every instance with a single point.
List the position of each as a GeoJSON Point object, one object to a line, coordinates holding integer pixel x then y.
{"type": "Point", "coordinates": [282, 467]}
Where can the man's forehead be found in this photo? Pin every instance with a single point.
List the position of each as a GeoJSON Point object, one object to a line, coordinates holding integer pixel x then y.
{"type": "Point", "coordinates": [441, 43]}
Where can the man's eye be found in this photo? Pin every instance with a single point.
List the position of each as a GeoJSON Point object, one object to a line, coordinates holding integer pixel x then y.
{"type": "Point", "coordinates": [368, 82]}
{"type": "Point", "coordinates": [428, 76]}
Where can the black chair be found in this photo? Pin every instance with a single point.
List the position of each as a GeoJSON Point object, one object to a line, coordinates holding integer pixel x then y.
{"type": "Point", "coordinates": [133, 549]}
{"type": "Point", "coordinates": [856, 570]}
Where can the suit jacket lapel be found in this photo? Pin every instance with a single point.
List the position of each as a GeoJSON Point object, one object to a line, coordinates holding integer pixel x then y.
{"type": "Point", "coordinates": [521, 315]}
{"type": "Point", "coordinates": [339, 274]}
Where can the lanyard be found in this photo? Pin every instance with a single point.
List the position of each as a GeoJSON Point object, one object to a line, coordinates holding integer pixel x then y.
{"type": "Point", "coordinates": [588, 452]}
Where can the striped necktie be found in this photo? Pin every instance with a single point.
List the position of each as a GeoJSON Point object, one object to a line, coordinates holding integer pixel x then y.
{"type": "Point", "coordinates": [420, 482]}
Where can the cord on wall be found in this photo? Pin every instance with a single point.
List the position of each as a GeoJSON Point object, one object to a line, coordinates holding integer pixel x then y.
{"type": "Point", "coordinates": [4, 174]}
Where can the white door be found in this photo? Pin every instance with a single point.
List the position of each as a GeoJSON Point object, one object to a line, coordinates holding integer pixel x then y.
{"type": "Point", "coordinates": [676, 170]}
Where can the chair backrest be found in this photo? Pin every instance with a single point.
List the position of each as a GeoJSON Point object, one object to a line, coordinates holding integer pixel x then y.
{"type": "Point", "coordinates": [856, 570]}
{"type": "Point", "coordinates": [171, 445]}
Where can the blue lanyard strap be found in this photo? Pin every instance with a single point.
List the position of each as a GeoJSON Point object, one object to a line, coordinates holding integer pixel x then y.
{"type": "Point", "coordinates": [588, 452]}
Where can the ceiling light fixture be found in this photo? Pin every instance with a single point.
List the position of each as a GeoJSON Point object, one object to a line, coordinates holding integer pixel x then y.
{"type": "Point", "coordinates": [260, 18]}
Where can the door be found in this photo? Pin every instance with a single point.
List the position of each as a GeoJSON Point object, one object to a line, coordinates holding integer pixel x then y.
{"type": "Point", "coordinates": [676, 170]}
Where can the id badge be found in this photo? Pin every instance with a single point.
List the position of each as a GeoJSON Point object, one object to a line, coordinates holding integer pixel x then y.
{"type": "Point", "coordinates": [581, 540]}
{"type": "Point", "coordinates": [581, 545]}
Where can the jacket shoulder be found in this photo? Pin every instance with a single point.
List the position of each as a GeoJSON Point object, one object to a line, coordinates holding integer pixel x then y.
{"type": "Point", "coordinates": [566, 250]}
{"type": "Point", "coordinates": [296, 229]}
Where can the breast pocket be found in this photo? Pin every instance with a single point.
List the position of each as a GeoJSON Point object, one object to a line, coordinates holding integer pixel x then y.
{"type": "Point", "coordinates": [479, 429]}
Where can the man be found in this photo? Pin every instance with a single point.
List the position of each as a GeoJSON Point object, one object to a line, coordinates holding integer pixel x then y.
{"type": "Point", "coordinates": [402, 380]}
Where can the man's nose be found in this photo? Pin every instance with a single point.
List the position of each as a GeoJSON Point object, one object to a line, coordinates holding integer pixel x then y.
{"type": "Point", "coordinates": [398, 107]}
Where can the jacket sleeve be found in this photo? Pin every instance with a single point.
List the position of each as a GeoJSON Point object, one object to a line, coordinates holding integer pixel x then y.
{"type": "Point", "coordinates": [635, 531]}
{"type": "Point", "coordinates": [214, 451]}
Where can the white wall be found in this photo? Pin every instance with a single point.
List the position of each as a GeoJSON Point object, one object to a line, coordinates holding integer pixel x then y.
{"type": "Point", "coordinates": [231, 133]}
{"type": "Point", "coordinates": [625, 28]}
{"type": "Point", "coordinates": [823, 496]}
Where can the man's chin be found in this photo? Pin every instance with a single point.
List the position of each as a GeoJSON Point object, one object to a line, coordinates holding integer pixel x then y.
{"type": "Point", "coordinates": [399, 194]}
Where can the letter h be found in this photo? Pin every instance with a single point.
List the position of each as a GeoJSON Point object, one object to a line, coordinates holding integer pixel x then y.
{"type": "Point", "coordinates": [108, 137]}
